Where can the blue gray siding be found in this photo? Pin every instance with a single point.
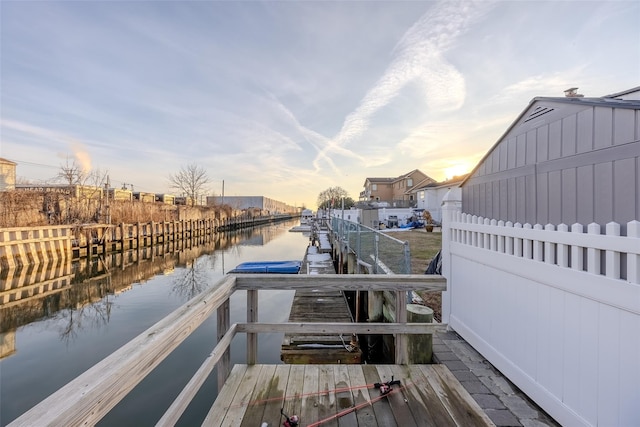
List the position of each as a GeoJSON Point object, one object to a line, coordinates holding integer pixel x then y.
{"type": "Point", "coordinates": [562, 162]}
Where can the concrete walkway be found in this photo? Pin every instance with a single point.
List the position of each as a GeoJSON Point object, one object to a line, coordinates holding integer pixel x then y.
{"type": "Point", "coordinates": [502, 401]}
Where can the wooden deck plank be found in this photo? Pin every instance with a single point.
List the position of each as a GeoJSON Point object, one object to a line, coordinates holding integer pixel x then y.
{"type": "Point", "coordinates": [340, 396]}
{"type": "Point", "coordinates": [242, 397]}
{"type": "Point", "coordinates": [256, 405]}
{"type": "Point", "coordinates": [295, 387]}
{"type": "Point", "coordinates": [309, 411]}
{"type": "Point", "coordinates": [225, 397]}
{"type": "Point", "coordinates": [399, 406]}
{"type": "Point", "coordinates": [344, 398]}
{"type": "Point", "coordinates": [361, 395]}
{"type": "Point", "coordinates": [459, 404]}
{"type": "Point", "coordinates": [327, 404]}
{"type": "Point", "coordinates": [424, 400]}
{"type": "Point", "coordinates": [277, 389]}
{"type": "Point", "coordinates": [381, 408]}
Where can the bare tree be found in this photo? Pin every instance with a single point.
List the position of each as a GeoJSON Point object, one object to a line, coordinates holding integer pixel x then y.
{"type": "Point", "coordinates": [72, 173]}
{"type": "Point", "coordinates": [191, 181]}
{"type": "Point", "coordinates": [87, 193]}
{"type": "Point", "coordinates": [332, 197]}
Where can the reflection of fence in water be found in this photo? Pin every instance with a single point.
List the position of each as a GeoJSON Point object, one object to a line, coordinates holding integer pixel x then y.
{"type": "Point", "coordinates": [35, 281]}
{"type": "Point", "coordinates": [385, 254]}
{"type": "Point", "coordinates": [34, 292]}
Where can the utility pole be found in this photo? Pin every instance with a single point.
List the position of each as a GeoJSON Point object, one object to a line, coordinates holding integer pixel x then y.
{"type": "Point", "coordinates": [107, 185]}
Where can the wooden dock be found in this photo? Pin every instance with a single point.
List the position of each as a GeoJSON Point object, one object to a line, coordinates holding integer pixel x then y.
{"type": "Point", "coordinates": [89, 397]}
{"type": "Point", "coordinates": [323, 306]}
{"type": "Point", "coordinates": [345, 395]}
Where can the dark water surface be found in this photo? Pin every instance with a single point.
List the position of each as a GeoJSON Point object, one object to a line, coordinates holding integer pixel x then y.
{"type": "Point", "coordinates": [54, 338]}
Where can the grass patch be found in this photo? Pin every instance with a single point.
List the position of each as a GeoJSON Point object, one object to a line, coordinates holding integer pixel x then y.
{"type": "Point", "coordinates": [423, 246]}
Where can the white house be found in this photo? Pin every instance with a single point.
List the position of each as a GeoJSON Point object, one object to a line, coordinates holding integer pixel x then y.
{"type": "Point", "coordinates": [430, 197]}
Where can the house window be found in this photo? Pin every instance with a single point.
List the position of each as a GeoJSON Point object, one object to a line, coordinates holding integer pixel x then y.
{"type": "Point", "coordinates": [409, 182]}
{"type": "Point", "coordinates": [374, 187]}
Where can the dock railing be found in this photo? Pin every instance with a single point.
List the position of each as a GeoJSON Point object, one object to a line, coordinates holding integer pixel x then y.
{"type": "Point", "coordinates": [88, 398]}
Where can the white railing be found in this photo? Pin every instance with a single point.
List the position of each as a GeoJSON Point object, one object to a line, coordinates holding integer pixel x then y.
{"type": "Point", "coordinates": [563, 246]}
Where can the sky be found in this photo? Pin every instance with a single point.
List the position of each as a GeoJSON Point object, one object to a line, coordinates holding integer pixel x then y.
{"type": "Point", "coordinates": [285, 99]}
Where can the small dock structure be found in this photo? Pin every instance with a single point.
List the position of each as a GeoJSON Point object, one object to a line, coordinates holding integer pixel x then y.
{"type": "Point", "coordinates": [253, 394]}
{"type": "Point", "coordinates": [319, 305]}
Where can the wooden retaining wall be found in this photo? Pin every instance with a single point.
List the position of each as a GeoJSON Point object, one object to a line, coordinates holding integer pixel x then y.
{"type": "Point", "coordinates": [37, 245]}
{"type": "Point", "coordinates": [34, 245]}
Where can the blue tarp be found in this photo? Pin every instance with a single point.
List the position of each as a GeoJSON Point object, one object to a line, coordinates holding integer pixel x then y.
{"type": "Point", "coordinates": [413, 224]}
{"type": "Point", "coordinates": [276, 267]}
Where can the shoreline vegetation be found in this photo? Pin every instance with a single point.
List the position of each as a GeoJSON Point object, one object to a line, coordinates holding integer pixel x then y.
{"type": "Point", "coordinates": [424, 247]}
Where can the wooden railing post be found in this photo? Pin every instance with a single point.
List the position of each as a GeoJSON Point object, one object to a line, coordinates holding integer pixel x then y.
{"type": "Point", "coordinates": [401, 317]}
{"type": "Point", "coordinates": [252, 317]}
{"type": "Point", "coordinates": [224, 321]}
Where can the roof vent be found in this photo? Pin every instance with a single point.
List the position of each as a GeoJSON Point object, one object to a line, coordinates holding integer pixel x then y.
{"type": "Point", "coordinates": [572, 93]}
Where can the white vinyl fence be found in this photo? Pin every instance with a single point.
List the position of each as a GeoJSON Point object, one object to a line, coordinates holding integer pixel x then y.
{"type": "Point", "coordinates": [556, 309]}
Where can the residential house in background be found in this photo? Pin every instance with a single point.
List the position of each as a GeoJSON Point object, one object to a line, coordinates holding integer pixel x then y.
{"type": "Point", "coordinates": [395, 192]}
{"type": "Point", "coordinates": [430, 196]}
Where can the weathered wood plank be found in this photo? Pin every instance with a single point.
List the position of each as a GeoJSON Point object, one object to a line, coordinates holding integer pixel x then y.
{"type": "Point", "coordinates": [242, 396]}
{"type": "Point", "coordinates": [381, 408]}
{"type": "Point", "coordinates": [343, 328]}
{"type": "Point", "coordinates": [310, 400]}
{"type": "Point", "coordinates": [225, 397]}
{"type": "Point", "coordinates": [361, 396]}
{"type": "Point", "coordinates": [463, 409]}
{"type": "Point", "coordinates": [298, 339]}
{"type": "Point", "coordinates": [295, 386]}
{"type": "Point", "coordinates": [255, 407]}
{"type": "Point", "coordinates": [340, 395]}
{"type": "Point", "coordinates": [348, 282]}
{"type": "Point", "coordinates": [401, 339]}
{"type": "Point", "coordinates": [252, 317]}
{"type": "Point", "coordinates": [223, 324]}
{"type": "Point", "coordinates": [327, 400]}
{"type": "Point", "coordinates": [304, 356]}
{"type": "Point", "coordinates": [344, 397]}
{"type": "Point", "coordinates": [275, 398]}
{"type": "Point", "coordinates": [424, 402]}
{"type": "Point", "coordinates": [399, 406]}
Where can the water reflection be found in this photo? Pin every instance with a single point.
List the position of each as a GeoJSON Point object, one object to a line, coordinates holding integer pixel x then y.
{"type": "Point", "coordinates": [59, 321]}
{"type": "Point", "coordinates": [78, 294]}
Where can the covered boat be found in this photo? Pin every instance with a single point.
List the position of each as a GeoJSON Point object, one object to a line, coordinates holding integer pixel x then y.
{"type": "Point", "coordinates": [276, 267]}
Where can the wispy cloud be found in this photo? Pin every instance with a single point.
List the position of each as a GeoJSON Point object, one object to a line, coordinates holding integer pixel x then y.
{"type": "Point", "coordinates": [419, 57]}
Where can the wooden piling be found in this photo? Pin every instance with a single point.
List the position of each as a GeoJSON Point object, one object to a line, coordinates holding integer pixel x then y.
{"type": "Point", "coordinates": [420, 349]}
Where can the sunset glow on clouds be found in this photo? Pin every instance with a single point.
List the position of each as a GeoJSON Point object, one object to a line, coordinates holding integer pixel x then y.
{"type": "Point", "coordinates": [285, 99]}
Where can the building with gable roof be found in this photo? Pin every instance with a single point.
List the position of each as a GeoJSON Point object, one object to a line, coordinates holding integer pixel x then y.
{"type": "Point", "coordinates": [396, 192]}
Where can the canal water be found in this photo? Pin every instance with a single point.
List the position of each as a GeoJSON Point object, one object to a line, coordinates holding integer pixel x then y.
{"type": "Point", "coordinates": [53, 337]}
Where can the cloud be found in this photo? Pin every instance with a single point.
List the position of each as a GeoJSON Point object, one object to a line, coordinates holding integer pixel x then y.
{"type": "Point", "coordinates": [419, 56]}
